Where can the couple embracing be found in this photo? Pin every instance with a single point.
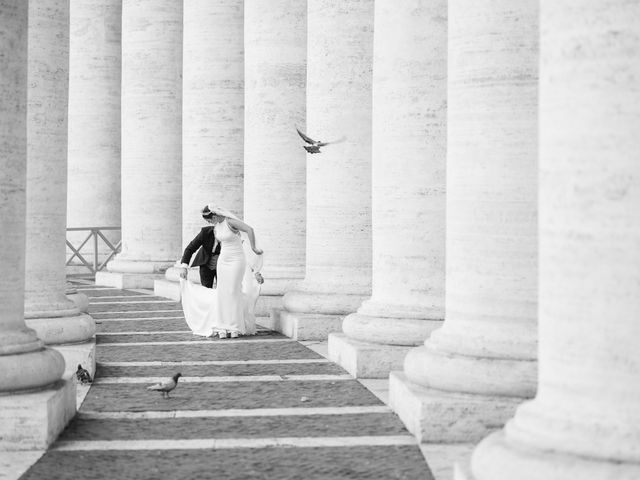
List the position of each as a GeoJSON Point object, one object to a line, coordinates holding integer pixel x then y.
{"type": "Point", "coordinates": [226, 254]}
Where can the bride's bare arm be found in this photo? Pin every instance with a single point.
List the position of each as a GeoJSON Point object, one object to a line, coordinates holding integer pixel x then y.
{"type": "Point", "coordinates": [243, 227]}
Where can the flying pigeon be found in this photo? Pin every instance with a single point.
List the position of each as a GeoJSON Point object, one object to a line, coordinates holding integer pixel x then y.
{"type": "Point", "coordinates": [166, 386]}
{"type": "Point", "coordinates": [83, 375]}
{"type": "Point", "coordinates": [314, 145]}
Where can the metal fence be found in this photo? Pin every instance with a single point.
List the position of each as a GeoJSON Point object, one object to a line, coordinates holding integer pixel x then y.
{"type": "Point", "coordinates": [95, 233]}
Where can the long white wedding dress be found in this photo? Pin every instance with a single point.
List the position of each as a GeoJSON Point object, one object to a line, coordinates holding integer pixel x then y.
{"type": "Point", "coordinates": [229, 307]}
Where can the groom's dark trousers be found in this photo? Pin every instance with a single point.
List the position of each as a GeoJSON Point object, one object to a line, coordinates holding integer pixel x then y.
{"type": "Point", "coordinates": [205, 258]}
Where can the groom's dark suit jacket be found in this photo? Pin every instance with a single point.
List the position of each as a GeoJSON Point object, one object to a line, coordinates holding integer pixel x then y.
{"type": "Point", "coordinates": [204, 244]}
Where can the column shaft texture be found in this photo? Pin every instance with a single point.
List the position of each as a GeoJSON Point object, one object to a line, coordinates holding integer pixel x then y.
{"type": "Point", "coordinates": [48, 74]}
{"type": "Point", "coordinates": [151, 135]}
{"type": "Point", "coordinates": [491, 271]}
{"type": "Point", "coordinates": [274, 161]}
{"type": "Point", "coordinates": [212, 128]}
{"type": "Point", "coordinates": [24, 363]}
{"type": "Point", "coordinates": [408, 175]}
{"type": "Point", "coordinates": [338, 242]}
{"type": "Point", "coordinates": [94, 114]}
{"type": "Point", "coordinates": [584, 422]}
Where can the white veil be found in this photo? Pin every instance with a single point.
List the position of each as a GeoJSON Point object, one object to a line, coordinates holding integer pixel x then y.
{"type": "Point", "coordinates": [221, 211]}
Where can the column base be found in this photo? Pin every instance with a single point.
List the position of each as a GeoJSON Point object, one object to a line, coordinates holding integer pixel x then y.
{"type": "Point", "coordinates": [63, 330]}
{"type": "Point", "coordinates": [389, 330]}
{"type": "Point", "coordinates": [32, 421]}
{"type": "Point", "coordinates": [167, 289]}
{"type": "Point", "coordinates": [462, 471]}
{"type": "Point", "coordinates": [363, 359]}
{"type": "Point", "coordinates": [169, 286]}
{"type": "Point", "coordinates": [498, 458]}
{"type": "Point", "coordinates": [322, 303]}
{"type": "Point", "coordinates": [477, 375]}
{"type": "Point", "coordinates": [78, 353]}
{"type": "Point", "coordinates": [127, 280]}
{"type": "Point", "coordinates": [302, 326]}
{"type": "Point", "coordinates": [447, 417]}
{"type": "Point", "coordinates": [267, 304]}
{"type": "Point", "coordinates": [278, 286]}
{"type": "Point", "coordinates": [31, 370]}
{"type": "Point", "coordinates": [444, 458]}
{"type": "Point", "coordinates": [80, 300]}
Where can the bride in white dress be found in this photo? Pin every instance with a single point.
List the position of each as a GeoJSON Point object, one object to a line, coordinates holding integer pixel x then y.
{"type": "Point", "coordinates": [229, 308]}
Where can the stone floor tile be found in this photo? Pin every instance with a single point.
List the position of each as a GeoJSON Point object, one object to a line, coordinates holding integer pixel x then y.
{"type": "Point", "coordinates": [197, 399]}
{"type": "Point", "coordinates": [239, 427]}
{"type": "Point", "coordinates": [227, 395]}
{"type": "Point", "coordinates": [132, 307]}
{"type": "Point", "coordinates": [107, 293]}
{"type": "Point", "coordinates": [354, 463]}
{"type": "Point", "coordinates": [211, 350]}
{"type": "Point", "coordinates": [165, 312]}
{"type": "Point", "coordinates": [131, 325]}
{"type": "Point", "coordinates": [183, 337]}
{"type": "Point", "coordinates": [225, 370]}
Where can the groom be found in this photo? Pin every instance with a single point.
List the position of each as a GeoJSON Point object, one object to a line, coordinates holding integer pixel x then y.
{"type": "Point", "coordinates": [208, 252]}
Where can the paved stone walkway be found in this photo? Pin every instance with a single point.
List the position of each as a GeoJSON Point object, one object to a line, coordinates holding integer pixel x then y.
{"type": "Point", "coordinates": [263, 407]}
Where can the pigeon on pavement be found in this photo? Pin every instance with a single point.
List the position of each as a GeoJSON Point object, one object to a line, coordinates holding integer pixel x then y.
{"type": "Point", "coordinates": [83, 375]}
{"type": "Point", "coordinates": [166, 386]}
{"type": "Point", "coordinates": [314, 145]}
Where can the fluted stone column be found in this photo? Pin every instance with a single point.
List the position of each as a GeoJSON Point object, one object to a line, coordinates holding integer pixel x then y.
{"type": "Point", "coordinates": [274, 161]}
{"type": "Point", "coordinates": [34, 419]}
{"type": "Point", "coordinates": [94, 119]}
{"type": "Point", "coordinates": [56, 319]}
{"type": "Point", "coordinates": [212, 123]}
{"type": "Point", "coordinates": [584, 422]}
{"type": "Point", "coordinates": [470, 374]}
{"type": "Point", "coordinates": [151, 143]}
{"type": "Point", "coordinates": [338, 245]}
{"type": "Point", "coordinates": [408, 197]}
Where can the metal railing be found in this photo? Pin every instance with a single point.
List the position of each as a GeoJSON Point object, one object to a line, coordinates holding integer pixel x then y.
{"type": "Point", "coordinates": [94, 233]}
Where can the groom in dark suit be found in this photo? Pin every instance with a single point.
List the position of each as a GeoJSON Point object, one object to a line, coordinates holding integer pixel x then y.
{"type": "Point", "coordinates": [208, 251]}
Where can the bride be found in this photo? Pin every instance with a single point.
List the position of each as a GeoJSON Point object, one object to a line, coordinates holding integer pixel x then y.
{"type": "Point", "coordinates": [229, 308]}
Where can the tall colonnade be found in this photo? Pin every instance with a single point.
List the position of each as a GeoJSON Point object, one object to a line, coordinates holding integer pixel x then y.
{"type": "Point", "coordinates": [472, 234]}
{"type": "Point", "coordinates": [584, 421]}
{"type": "Point", "coordinates": [481, 363]}
{"type": "Point", "coordinates": [35, 403]}
{"type": "Point", "coordinates": [408, 191]}
{"type": "Point", "coordinates": [338, 207]}
{"type": "Point", "coordinates": [151, 143]}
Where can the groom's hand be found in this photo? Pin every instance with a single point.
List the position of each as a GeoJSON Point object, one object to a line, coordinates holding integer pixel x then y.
{"type": "Point", "coordinates": [183, 273]}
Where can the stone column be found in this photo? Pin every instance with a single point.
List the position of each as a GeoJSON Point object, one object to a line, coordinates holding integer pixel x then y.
{"type": "Point", "coordinates": [27, 420]}
{"type": "Point", "coordinates": [212, 123]}
{"type": "Point", "coordinates": [584, 422]}
{"type": "Point", "coordinates": [56, 319]}
{"type": "Point", "coordinates": [151, 143]}
{"type": "Point", "coordinates": [274, 161]}
{"type": "Point", "coordinates": [470, 374]}
{"type": "Point", "coordinates": [94, 119]}
{"type": "Point", "coordinates": [338, 243]}
{"type": "Point", "coordinates": [408, 197]}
